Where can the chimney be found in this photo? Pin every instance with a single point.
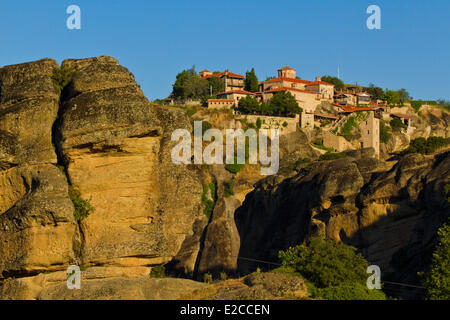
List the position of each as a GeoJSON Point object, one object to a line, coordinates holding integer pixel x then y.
{"type": "Point", "coordinates": [318, 79]}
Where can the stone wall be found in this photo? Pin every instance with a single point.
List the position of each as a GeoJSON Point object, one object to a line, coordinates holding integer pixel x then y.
{"type": "Point", "coordinates": [271, 122]}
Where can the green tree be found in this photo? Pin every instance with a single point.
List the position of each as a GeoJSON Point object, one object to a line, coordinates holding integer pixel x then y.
{"type": "Point", "coordinates": [376, 92]}
{"type": "Point", "coordinates": [437, 279]}
{"type": "Point", "coordinates": [249, 105]}
{"type": "Point", "coordinates": [403, 96]}
{"type": "Point", "coordinates": [397, 124]}
{"type": "Point", "coordinates": [284, 103]}
{"type": "Point", "coordinates": [385, 135]}
{"type": "Point", "coordinates": [338, 83]}
{"type": "Point", "coordinates": [251, 81]}
{"type": "Point", "coordinates": [326, 263]}
{"type": "Point", "coordinates": [188, 84]}
{"type": "Point", "coordinates": [216, 85]}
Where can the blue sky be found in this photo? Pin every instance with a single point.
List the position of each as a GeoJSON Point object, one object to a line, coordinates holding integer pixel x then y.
{"type": "Point", "coordinates": [157, 39]}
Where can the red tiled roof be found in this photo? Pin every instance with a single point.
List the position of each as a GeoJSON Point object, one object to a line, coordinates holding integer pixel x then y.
{"type": "Point", "coordinates": [235, 91]}
{"type": "Point", "coordinates": [226, 73]}
{"type": "Point", "coordinates": [287, 68]}
{"type": "Point", "coordinates": [206, 70]}
{"type": "Point", "coordinates": [291, 89]}
{"type": "Point", "coordinates": [220, 100]}
{"type": "Point", "coordinates": [401, 115]}
{"type": "Point", "coordinates": [306, 82]}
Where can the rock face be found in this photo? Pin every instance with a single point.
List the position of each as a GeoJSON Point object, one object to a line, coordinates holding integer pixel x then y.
{"type": "Point", "coordinates": [392, 216]}
{"type": "Point", "coordinates": [114, 147]}
{"type": "Point", "coordinates": [37, 226]}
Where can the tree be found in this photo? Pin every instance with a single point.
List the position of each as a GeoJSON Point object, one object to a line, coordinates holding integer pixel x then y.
{"type": "Point", "coordinates": [284, 103]}
{"type": "Point", "coordinates": [249, 105]}
{"type": "Point", "coordinates": [437, 279]}
{"type": "Point", "coordinates": [376, 92]}
{"type": "Point", "coordinates": [251, 81]}
{"type": "Point", "coordinates": [392, 97]}
{"type": "Point", "coordinates": [326, 263]}
{"type": "Point", "coordinates": [403, 96]}
{"type": "Point", "coordinates": [338, 83]}
{"type": "Point", "coordinates": [216, 84]}
{"type": "Point", "coordinates": [397, 125]}
{"type": "Point", "coordinates": [188, 84]}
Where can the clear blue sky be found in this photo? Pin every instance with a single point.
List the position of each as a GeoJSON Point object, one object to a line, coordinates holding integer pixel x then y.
{"type": "Point", "coordinates": [157, 39]}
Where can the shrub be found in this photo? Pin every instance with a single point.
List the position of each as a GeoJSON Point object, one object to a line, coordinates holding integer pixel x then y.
{"type": "Point", "coordinates": [62, 77]}
{"type": "Point", "coordinates": [354, 291]}
{"type": "Point", "coordinates": [385, 136]}
{"type": "Point", "coordinates": [228, 188]}
{"type": "Point", "coordinates": [397, 125]}
{"type": "Point", "coordinates": [426, 146]}
{"type": "Point", "coordinates": [285, 124]}
{"type": "Point", "coordinates": [437, 279]}
{"type": "Point", "coordinates": [319, 144]}
{"type": "Point", "coordinates": [258, 123]}
{"type": "Point", "coordinates": [234, 168]}
{"type": "Point", "coordinates": [326, 263]}
{"type": "Point", "coordinates": [158, 272]}
{"type": "Point", "coordinates": [331, 156]}
{"type": "Point", "coordinates": [209, 201]}
{"type": "Point", "coordinates": [83, 208]}
{"type": "Point", "coordinates": [207, 278]}
{"type": "Point", "coordinates": [347, 128]}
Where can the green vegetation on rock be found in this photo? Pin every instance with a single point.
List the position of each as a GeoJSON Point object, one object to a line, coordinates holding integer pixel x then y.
{"type": "Point", "coordinates": [83, 208]}
{"type": "Point", "coordinates": [209, 198]}
{"type": "Point", "coordinates": [62, 77]}
{"type": "Point", "coordinates": [228, 188]}
{"type": "Point", "coordinates": [158, 272]}
{"type": "Point", "coordinates": [426, 146]}
{"type": "Point", "coordinates": [385, 134]}
{"type": "Point", "coordinates": [437, 279]}
{"type": "Point", "coordinates": [335, 271]}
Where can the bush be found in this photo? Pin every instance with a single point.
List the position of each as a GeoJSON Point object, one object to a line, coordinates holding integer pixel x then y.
{"type": "Point", "coordinates": [319, 144]}
{"type": "Point", "coordinates": [397, 125]}
{"type": "Point", "coordinates": [258, 123]}
{"type": "Point", "coordinates": [331, 156]}
{"type": "Point", "coordinates": [285, 124]}
{"type": "Point", "coordinates": [354, 291]}
{"type": "Point", "coordinates": [83, 208]}
{"type": "Point", "coordinates": [419, 103]}
{"type": "Point", "coordinates": [347, 128]}
{"type": "Point", "coordinates": [326, 263]}
{"type": "Point", "coordinates": [62, 78]}
{"type": "Point", "coordinates": [228, 188]}
{"type": "Point", "coordinates": [234, 168]}
{"type": "Point", "coordinates": [385, 136]}
{"type": "Point", "coordinates": [437, 279]}
{"type": "Point", "coordinates": [426, 146]}
{"type": "Point", "coordinates": [209, 201]}
{"type": "Point", "coordinates": [158, 272]}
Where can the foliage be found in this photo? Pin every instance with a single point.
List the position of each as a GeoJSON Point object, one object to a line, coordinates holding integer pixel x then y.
{"type": "Point", "coordinates": [83, 208]}
{"type": "Point", "coordinates": [416, 104]}
{"type": "Point", "coordinates": [251, 81]}
{"type": "Point", "coordinates": [158, 272]}
{"type": "Point", "coordinates": [209, 197]}
{"type": "Point", "coordinates": [426, 146]}
{"type": "Point", "coordinates": [347, 291]}
{"type": "Point", "coordinates": [215, 85]}
{"type": "Point", "coordinates": [331, 156]}
{"type": "Point", "coordinates": [207, 278]}
{"type": "Point", "coordinates": [258, 123]}
{"type": "Point", "coordinates": [282, 104]}
{"type": "Point", "coordinates": [444, 104]}
{"type": "Point", "coordinates": [326, 263]}
{"type": "Point", "coordinates": [338, 83]}
{"type": "Point", "coordinates": [319, 144]}
{"type": "Point", "coordinates": [249, 105]}
{"type": "Point", "coordinates": [385, 135]}
{"type": "Point", "coordinates": [189, 85]}
{"type": "Point", "coordinates": [285, 124]}
{"type": "Point", "coordinates": [397, 125]}
{"type": "Point", "coordinates": [234, 168]}
{"type": "Point", "coordinates": [228, 188]}
{"type": "Point", "coordinates": [62, 77]}
{"type": "Point", "coordinates": [397, 98]}
{"type": "Point", "coordinates": [437, 279]}
{"type": "Point", "coordinates": [447, 191]}
{"type": "Point", "coordinates": [376, 92]}
{"type": "Point", "coordinates": [347, 128]}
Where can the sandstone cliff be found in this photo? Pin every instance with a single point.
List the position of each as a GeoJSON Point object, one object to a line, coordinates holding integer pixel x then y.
{"type": "Point", "coordinates": [114, 147]}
